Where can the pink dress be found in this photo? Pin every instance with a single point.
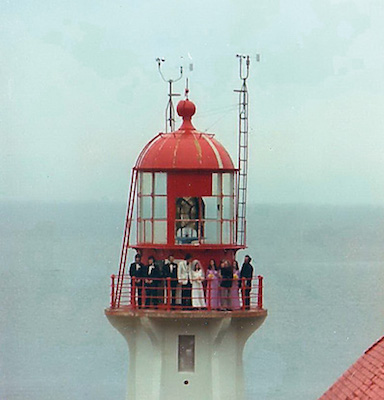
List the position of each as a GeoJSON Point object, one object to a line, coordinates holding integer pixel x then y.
{"type": "Point", "coordinates": [235, 298]}
{"type": "Point", "coordinates": [213, 296]}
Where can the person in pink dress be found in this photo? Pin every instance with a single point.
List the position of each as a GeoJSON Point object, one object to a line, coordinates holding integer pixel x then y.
{"type": "Point", "coordinates": [212, 275]}
{"type": "Point", "coordinates": [235, 298]}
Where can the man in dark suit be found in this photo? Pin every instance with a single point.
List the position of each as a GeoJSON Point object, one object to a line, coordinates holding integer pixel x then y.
{"type": "Point", "coordinates": [136, 270]}
{"type": "Point", "coordinates": [170, 271]}
{"type": "Point", "coordinates": [247, 273]}
{"type": "Point", "coordinates": [152, 283]}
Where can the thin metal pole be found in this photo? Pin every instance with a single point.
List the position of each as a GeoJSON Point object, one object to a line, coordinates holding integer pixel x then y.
{"type": "Point", "coordinates": [170, 109]}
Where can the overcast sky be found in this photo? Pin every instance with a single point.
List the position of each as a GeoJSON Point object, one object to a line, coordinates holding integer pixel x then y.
{"type": "Point", "coordinates": [80, 93]}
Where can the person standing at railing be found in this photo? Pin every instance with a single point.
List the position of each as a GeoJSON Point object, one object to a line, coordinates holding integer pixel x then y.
{"type": "Point", "coordinates": [198, 300]}
{"type": "Point", "coordinates": [235, 299]}
{"type": "Point", "coordinates": [136, 271]}
{"type": "Point", "coordinates": [152, 282]}
{"type": "Point", "coordinates": [184, 271]}
{"type": "Point", "coordinates": [170, 271]}
{"type": "Point", "coordinates": [213, 297]}
{"type": "Point", "coordinates": [247, 274]}
{"type": "Point", "coordinates": [226, 284]}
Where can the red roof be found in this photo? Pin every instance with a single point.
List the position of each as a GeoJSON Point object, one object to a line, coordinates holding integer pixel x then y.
{"type": "Point", "coordinates": [363, 380]}
{"type": "Point", "coordinates": [185, 148]}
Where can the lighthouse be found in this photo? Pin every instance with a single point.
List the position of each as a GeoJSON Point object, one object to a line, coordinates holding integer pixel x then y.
{"type": "Point", "coordinates": [184, 202]}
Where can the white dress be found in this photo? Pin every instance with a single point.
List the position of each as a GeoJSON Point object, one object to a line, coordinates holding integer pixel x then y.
{"type": "Point", "coordinates": [198, 300]}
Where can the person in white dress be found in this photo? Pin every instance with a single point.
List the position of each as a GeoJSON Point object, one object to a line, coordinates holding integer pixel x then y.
{"type": "Point", "coordinates": [198, 300]}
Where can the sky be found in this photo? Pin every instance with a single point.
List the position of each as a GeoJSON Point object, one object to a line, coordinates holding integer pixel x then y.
{"type": "Point", "coordinates": [81, 95]}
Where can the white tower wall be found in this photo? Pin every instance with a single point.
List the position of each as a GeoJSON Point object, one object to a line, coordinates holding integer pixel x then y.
{"type": "Point", "coordinates": [153, 340]}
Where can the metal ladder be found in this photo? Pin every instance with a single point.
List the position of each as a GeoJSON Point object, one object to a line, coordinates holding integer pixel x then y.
{"type": "Point", "coordinates": [127, 234]}
{"type": "Point", "coordinates": [242, 152]}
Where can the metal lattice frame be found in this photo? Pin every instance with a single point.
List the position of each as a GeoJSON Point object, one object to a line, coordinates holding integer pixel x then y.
{"type": "Point", "coordinates": [242, 151]}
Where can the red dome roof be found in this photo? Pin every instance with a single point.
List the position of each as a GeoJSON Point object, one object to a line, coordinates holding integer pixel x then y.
{"type": "Point", "coordinates": [185, 148]}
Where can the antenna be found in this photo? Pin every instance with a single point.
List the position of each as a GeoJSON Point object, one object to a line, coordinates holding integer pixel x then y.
{"type": "Point", "coordinates": [170, 109]}
{"type": "Point", "coordinates": [244, 64]}
{"type": "Point", "coordinates": [186, 89]}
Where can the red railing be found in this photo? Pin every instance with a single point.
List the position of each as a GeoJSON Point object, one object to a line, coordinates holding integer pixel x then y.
{"type": "Point", "coordinates": [168, 294]}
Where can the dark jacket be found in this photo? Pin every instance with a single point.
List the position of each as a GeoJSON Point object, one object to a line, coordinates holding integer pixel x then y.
{"type": "Point", "coordinates": [227, 277]}
{"type": "Point", "coordinates": [136, 273]}
{"type": "Point", "coordinates": [152, 274]}
{"type": "Point", "coordinates": [167, 272]}
{"type": "Point", "coordinates": [247, 273]}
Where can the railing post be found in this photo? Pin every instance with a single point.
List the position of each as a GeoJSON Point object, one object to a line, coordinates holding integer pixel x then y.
{"type": "Point", "coordinates": [260, 292]}
{"type": "Point", "coordinates": [143, 294]}
{"type": "Point", "coordinates": [243, 293]}
{"type": "Point", "coordinates": [133, 292]}
{"type": "Point", "coordinates": [169, 296]}
{"type": "Point", "coordinates": [209, 294]}
{"type": "Point", "coordinates": [113, 298]}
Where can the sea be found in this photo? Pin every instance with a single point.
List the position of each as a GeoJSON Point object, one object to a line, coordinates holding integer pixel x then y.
{"type": "Point", "coordinates": [323, 269]}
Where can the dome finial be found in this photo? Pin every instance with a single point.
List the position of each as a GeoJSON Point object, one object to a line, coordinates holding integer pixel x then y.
{"type": "Point", "coordinates": [186, 109]}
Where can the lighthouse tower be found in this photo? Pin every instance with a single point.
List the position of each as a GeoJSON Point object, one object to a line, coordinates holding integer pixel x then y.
{"type": "Point", "coordinates": [183, 189]}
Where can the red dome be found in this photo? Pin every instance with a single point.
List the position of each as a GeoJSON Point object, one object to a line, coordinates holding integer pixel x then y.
{"type": "Point", "coordinates": [185, 148]}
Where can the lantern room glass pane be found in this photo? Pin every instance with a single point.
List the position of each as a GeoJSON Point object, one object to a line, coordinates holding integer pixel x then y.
{"type": "Point", "coordinates": [147, 231]}
{"type": "Point", "coordinates": [226, 232]}
{"type": "Point", "coordinates": [160, 232]}
{"type": "Point", "coordinates": [211, 232]}
{"type": "Point", "coordinates": [141, 232]}
{"type": "Point", "coordinates": [227, 184]}
{"type": "Point", "coordinates": [211, 209]}
{"type": "Point", "coordinates": [146, 207]}
{"type": "Point", "coordinates": [160, 186]}
{"type": "Point", "coordinates": [216, 186]}
{"type": "Point", "coordinates": [228, 207]}
{"type": "Point", "coordinates": [160, 207]}
{"type": "Point", "coordinates": [146, 183]}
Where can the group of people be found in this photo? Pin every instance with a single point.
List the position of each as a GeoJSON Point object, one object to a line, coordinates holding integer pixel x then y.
{"type": "Point", "coordinates": [223, 287]}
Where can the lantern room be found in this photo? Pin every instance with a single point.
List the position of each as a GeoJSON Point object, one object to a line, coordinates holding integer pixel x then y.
{"type": "Point", "coordinates": [185, 193]}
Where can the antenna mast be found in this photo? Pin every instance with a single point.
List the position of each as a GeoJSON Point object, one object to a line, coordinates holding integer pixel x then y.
{"type": "Point", "coordinates": [170, 109]}
{"type": "Point", "coordinates": [244, 63]}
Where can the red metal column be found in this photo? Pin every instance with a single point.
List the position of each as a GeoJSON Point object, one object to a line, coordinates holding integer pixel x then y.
{"type": "Point", "coordinates": [133, 292]}
{"type": "Point", "coordinates": [260, 292]}
{"type": "Point", "coordinates": [209, 294]}
{"type": "Point", "coordinates": [113, 291]}
{"type": "Point", "coordinates": [243, 293]}
{"type": "Point", "coordinates": [169, 297]}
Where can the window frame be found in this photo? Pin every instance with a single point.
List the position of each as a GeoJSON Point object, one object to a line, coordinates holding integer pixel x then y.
{"type": "Point", "coordinates": [142, 235]}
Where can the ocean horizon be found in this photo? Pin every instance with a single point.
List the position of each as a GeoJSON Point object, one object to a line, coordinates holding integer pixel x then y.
{"type": "Point", "coordinates": [323, 274]}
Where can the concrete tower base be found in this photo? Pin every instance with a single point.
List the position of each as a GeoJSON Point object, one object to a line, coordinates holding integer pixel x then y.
{"type": "Point", "coordinates": [186, 355]}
